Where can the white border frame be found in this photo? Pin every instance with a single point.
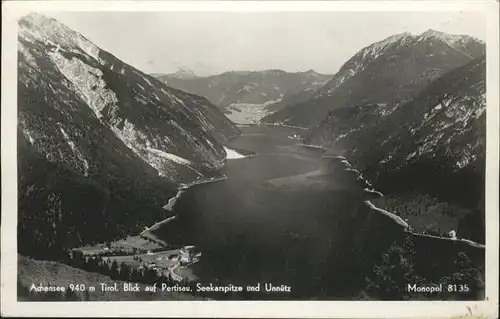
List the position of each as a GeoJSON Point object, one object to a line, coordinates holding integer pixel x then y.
{"type": "Point", "coordinates": [12, 10]}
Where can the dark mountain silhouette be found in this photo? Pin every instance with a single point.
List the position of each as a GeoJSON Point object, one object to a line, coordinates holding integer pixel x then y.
{"type": "Point", "coordinates": [434, 143]}
{"type": "Point", "coordinates": [387, 72]}
{"type": "Point", "coordinates": [101, 145]}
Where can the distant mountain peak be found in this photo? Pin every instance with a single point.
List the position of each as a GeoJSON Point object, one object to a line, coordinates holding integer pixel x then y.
{"type": "Point", "coordinates": [235, 72]}
{"type": "Point", "coordinates": [400, 35]}
{"type": "Point", "coordinates": [449, 37]}
{"type": "Point", "coordinates": [382, 67]}
{"type": "Point", "coordinates": [431, 32]}
{"type": "Point", "coordinates": [311, 71]}
{"type": "Point", "coordinates": [184, 74]}
{"type": "Point", "coordinates": [272, 71]}
{"type": "Point", "coordinates": [391, 39]}
{"type": "Point", "coordinates": [36, 27]}
{"type": "Point", "coordinates": [245, 96]}
{"type": "Point", "coordinates": [458, 42]}
{"type": "Point", "coordinates": [376, 48]}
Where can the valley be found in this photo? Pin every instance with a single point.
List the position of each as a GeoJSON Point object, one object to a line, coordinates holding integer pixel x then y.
{"type": "Point", "coordinates": [246, 97]}
{"type": "Point", "coordinates": [342, 187]}
{"type": "Point", "coordinates": [287, 225]}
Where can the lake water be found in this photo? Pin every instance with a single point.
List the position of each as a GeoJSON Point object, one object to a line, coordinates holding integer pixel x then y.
{"type": "Point", "coordinates": [277, 217]}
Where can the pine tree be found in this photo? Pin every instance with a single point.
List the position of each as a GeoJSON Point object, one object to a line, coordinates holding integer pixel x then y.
{"type": "Point", "coordinates": [168, 279]}
{"type": "Point", "coordinates": [134, 275]}
{"type": "Point", "coordinates": [124, 271]}
{"type": "Point", "coordinates": [395, 268]}
{"type": "Point", "coordinates": [104, 267]}
{"type": "Point", "coordinates": [92, 264]}
{"type": "Point", "coordinates": [113, 272]}
{"type": "Point", "coordinates": [150, 275]}
{"type": "Point", "coordinates": [78, 259]}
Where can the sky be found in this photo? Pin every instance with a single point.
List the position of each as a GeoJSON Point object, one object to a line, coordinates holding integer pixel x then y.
{"type": "Point", "coordinates": [215, 42]}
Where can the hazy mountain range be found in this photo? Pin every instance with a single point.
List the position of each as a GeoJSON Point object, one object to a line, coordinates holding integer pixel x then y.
{"type": "Point", "coordinates": [247, 96]}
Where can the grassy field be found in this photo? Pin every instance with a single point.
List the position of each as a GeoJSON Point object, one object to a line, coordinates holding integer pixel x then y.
{"type": "Point", "coordinates": [137, 242]}
{"type": "Point", "coordinates": [132, 252]}
{"type": "Point", "coordinates": [423, 213]}
{"type": "Point", "coordinates": [159, 258]}
{"type": "Point", "coordinates": [130, 243]}
{"type": "Point", "coordinates": [48, 272]}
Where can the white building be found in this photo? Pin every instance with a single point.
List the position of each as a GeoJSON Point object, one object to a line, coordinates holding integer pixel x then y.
{"type": "Point", "coordinates": [185, 258]}
{"type": "Point", "coordinates": [453, 234]}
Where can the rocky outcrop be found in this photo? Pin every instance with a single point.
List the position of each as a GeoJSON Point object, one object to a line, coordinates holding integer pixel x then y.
{"type": "Point", "coordinates": [102, 146]}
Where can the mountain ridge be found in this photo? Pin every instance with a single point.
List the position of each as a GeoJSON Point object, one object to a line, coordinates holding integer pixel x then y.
{"type": "Point", "coordinates": [393, 69]}
{"type": "Point", "coordinates": [433, 143]}
{"type": "Point", "coordinates": [92, 125]}
{"type": "Point", "coordinates": [242, 94]}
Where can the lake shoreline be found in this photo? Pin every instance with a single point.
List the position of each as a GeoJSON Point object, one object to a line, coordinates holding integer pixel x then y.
{"type": "Point", "coordinates": [396, 218]}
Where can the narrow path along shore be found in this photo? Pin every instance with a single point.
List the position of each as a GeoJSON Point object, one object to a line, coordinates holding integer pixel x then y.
{"type": "Point", "coordinates": [230, 155]}
{"type": "Point", "coordinates": [203, 181]}
{"type": "Point", "coordinates": [155, 226]}
{"type": "Point", "coordinates": [265, 148]}
{"type": "Point", "coordinates": [284, 125]}
{"type": "Point", "coordinates": [172, 273]}
{"type": "Point", "coordinates": [396, 218]}
{"type": "Point", "coordinates": [466, 241]}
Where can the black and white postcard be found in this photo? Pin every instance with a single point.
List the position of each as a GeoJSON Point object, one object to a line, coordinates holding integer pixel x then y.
{"type": "Point", "coordinates": [250, 158]}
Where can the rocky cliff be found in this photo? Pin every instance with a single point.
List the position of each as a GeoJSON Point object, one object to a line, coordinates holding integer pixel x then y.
{"type": "Point", "coordinates": [434, 143]}
{"type": "Point", "coordinates": [102, 146]}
